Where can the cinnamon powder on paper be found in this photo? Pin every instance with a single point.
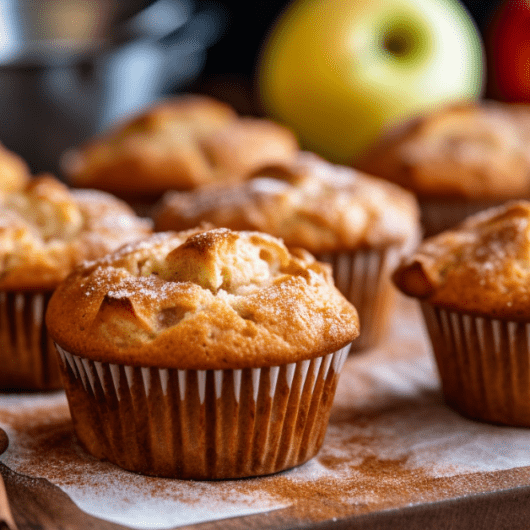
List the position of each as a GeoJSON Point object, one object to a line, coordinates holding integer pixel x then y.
{"type": "Point", "coordinates": [352, 478]}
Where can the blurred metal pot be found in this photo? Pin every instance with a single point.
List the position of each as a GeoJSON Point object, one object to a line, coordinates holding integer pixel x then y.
{"type": "Point", "coordinates": [70, 68]}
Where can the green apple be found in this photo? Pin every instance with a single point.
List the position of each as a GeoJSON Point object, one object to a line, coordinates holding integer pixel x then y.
{"type": "Point", "coordinates": [341, 71]}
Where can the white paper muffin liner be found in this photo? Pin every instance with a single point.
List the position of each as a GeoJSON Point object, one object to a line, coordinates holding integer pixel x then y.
{"type": "Point", "coordinates": [363, 277]}
{"type": "Point", "coordinates": [202, 424]}
{"type": "Point", "coordinates": [484, 364]}
{"type": "Point", "coordinates": [28, 360]}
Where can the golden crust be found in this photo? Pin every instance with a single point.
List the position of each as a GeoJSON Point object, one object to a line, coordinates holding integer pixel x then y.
{"type": "Point", "coordinates": [308, 202]}
{"type": "Point", "coordinates": [471, 151]}
{"type": "Point", "coordinates": [214, 299]}
{"type": "Point", "coordinates": [14, 172]}
{"type": "Point", "coordinates": [480, 267]}
{"type": "Point", "coordinates": [181, 143]}
{"type": "Point", "coordinates": [45, 230]}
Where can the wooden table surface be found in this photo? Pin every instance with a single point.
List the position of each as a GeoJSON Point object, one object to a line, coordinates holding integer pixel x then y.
{"type": "Point", "coordinates": [37, 505]}
{"type": "Point", "coordinates": [394, 457]}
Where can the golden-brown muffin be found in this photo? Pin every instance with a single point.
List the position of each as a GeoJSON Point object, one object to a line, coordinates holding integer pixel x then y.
{"type": "Point", "coordinates": [474, 286]}
{"type": "Point", "coordinates": [180, 143]}
{"type": "Point", "coordinates": [14, 172]}
{"type": "Point", "coordinates": [458, 160]}
{"type": "Point", "coordinates": [225, 332]}
{"type": "Point", "coordinates": [45, 230]}
{"type": "Point", "coordinates": [359, 224]}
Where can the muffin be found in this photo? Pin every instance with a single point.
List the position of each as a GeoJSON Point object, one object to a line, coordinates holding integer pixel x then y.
{"type": "Point", "coordinates": [180, 143]}
{"type": "Point", "coordinates": [14, 172]}
{"type": "Point", "coordinates": [45, 230]}
{"type": "Point", "coordinates": [458, 160]}
{"type": "Point", "coordinates": [473, 283]}
{"type": "Point", "coordinates": [359, 224]}
{"type": "Point", "coordinates": [202, 354]}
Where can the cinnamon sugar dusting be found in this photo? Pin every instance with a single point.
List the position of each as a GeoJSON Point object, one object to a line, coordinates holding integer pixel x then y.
{"type": "Point", "coordinates": [391, 443]}
{"type": "Point", "coordinates": [479, 267]}
{"type": "Point", "coordinates": [238, 282]}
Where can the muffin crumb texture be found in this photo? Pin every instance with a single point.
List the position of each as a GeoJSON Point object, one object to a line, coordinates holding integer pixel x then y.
{"type": "Point", "coordinates": [179, 143]}
{"type": "Point", "coordinates": [45, 229]}
{"type": "Point", "coordinates": [462, 151]}
{"type": "Point", "coordinates": [482, 266]}
{"type": "Point", "coordinates": [308, 202]}
{"type": "Point", "coordinates": [209, 299]}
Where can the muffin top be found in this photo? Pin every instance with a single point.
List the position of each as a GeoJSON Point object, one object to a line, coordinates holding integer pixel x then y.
{"type": "Point", "coordinates": [481, 267]}
{"type": "Point", "coordinates": [14, 172]}
{"type": "Point", "coordinates": [180, 143]}
{"type": "Point", "coordinates": [213, 299]}
{"type": "Point", "coordinates": [45, 229]}
{"type": "Point", "coordinates": [308, 202]}
{"type": "Point", "coordinates": [463, 151]}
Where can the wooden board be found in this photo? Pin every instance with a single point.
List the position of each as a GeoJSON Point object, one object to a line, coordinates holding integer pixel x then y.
{"type": "Point", "coordinates": [394, 457]}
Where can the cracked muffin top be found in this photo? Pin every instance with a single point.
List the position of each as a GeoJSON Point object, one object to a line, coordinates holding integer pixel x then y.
{"type": "Point", "coordinates": [210, 299]}
{"type": "Point", "coordinates": [470, 151]}
{"type": "Point", "coordinates": [46, 229]}
{"type": "Point", "coordinates": [481, 266]}
{"type": "Point", "coordinates": [309, 203]}
{"type": "Point", "coordinates": [181, 143]}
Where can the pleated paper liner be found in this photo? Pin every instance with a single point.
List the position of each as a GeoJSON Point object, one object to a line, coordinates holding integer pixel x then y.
{"type": "Point", "coordinates": [28, 360]}
{"type": "Point", "coordinates": [484, 365]}
{"type": "Point", "coordinates": [202, 424]}
{"type": "Point", "coordinates": [363, 277]}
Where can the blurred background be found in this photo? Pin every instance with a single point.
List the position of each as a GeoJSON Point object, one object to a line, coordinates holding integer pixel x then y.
{"type": "Point", "coordinates": [71, 68]}
{"type": "Point", "coordinates": [231, 61]}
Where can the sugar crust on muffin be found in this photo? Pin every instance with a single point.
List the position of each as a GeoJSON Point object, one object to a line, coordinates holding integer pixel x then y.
{"type": "Point", "coordinates": [179, 143]}
{"type": "Point", "coordinates": [473, 151]}
{"type": "Point", "coordinates": [482, 266]}
{"type": "Point", "coordinates": [211, 299]}
{"type": "Point", "coordinates": [46, 229]}
{"type": "Point", "coordinates": [308, 202]}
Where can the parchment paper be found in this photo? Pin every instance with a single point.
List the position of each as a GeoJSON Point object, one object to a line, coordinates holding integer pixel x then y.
{"type": "Point", "coordinates": [391, 442]}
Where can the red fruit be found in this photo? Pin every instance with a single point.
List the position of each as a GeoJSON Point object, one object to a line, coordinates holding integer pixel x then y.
{"type": "Point", "coordinates": [508, 52]}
